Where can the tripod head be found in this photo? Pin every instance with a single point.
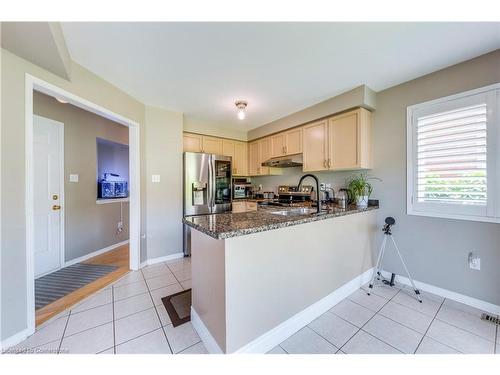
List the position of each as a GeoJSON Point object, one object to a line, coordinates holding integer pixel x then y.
{"type": "Point", "coordinates": [389, 221]}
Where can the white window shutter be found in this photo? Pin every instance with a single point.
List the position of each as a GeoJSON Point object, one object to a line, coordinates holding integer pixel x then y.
{"type": "Point", "coordinates": [452, 156]}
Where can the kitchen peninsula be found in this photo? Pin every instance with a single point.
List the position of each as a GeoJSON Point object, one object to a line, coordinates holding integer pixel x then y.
{"type": "Point", "coordinates": [258, 277]}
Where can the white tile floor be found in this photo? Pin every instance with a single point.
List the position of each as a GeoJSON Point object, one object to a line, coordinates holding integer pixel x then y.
{"type": "Point", "coordinates": [391, 320]}
{"type": "Point", "coordinates": [126, 317]}
{"type": "Point", "coordinates": [129, 317]}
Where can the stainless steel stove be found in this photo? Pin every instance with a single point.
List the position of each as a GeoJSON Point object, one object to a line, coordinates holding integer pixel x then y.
{"type": "Point", "coordinates": [290, 196]}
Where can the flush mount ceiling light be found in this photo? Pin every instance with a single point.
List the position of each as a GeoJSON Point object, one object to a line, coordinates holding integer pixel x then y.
{"type": "Point", "coordinates": [241, 105]}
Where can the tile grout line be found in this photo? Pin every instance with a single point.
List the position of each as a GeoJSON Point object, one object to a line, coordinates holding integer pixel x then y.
{"type": "Point", "coordinates": [434, 317]}
{"type": "Point", "coordinates": [64, 331]}
{"type": "Point", "coordinates": [141, 335]}
{"type": "Point", "coordinates": [361, 328]}
{"type": "Point", "coordinates": [113, 310]}
{"type": "Point", "coordinates": [190, 346]}
{"type": "Point", "coordinates": [378, 312]}
{"type": "Point", "coordinates": [427, 330]}
{"type": "Point", "coordinates": [374, 315]}
{"type": "Point", "coordinates": [156, 311]}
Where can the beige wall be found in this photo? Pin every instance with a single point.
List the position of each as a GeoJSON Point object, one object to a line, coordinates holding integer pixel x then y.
{"type": "Point", "coordinates": [164, 203]}
{"type": "Point", "coordinates": [88, 226]}
{"type": "Point", "coordinates": [435, 249]}
{"type": "Point", "coordinates": [13, 231]}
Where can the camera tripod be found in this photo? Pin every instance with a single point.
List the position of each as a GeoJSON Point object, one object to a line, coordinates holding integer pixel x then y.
{"type": "Point", "coordinates": [390, 221]}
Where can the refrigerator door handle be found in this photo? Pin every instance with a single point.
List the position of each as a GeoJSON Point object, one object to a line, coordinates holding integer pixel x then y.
{"type": "Point", "coordinates": [211, 173]}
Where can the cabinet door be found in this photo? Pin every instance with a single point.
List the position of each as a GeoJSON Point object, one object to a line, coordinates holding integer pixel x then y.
{"type": "Point", "coordinates": [192, 142]}
{"type": "Point", "coordinates": [264, 154]}
{"type": "Point", "coordinates": [278, 143]}
{"type": "Point", "coordinates": [240, 159]}
{"type": "Point", "coordinates": [212, 145]}
{"type": "Point", "coordinates": [293, 143]}
{"type": "Point", "coordinates": [253, 159]}
{"type": "Point", "coordinates": [315, 146]}
{"type": "Point", "coordinates": [228, 147]}
{"type": "Point", "coordinates": [343, 141]}
{"type": "Point", "coordinates": [238, 207]}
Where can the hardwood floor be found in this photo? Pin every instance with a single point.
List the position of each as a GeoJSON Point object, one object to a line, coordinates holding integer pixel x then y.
{"type": "Point", "coordinates": [117, 257]}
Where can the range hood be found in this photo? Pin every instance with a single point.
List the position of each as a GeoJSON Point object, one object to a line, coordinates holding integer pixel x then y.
{"type": "Point", "coordinates": [284, 161]}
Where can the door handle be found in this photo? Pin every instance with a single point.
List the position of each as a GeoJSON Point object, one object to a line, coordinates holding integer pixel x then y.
{"type": "Point", "coordinates": [56, 207]}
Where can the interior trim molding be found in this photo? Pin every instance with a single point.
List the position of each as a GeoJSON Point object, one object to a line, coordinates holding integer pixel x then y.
{"type": "Point", "coordinates": [166, 258]}
{"type": "Point", "coordinates": [95, 253]}
{"type": "Point", "coordinates": [458, 297]}
{"type": "Point", "coordinates": [204, 333]}
{"type": "Point", "coordinates": [14, 339]}
{"type": "Point", "coordinates": [280, 333]}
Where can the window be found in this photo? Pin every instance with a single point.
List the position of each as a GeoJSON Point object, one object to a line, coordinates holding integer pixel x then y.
{"type": "Point", "coordinates": [453, 156]}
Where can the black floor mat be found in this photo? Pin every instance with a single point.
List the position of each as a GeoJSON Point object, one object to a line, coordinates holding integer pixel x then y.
{"type": "Point", "coordinates": [60, 283]}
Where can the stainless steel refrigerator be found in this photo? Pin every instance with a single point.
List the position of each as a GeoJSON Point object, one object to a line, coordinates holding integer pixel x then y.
{"type": "Point", "coordinates": [207, 187]}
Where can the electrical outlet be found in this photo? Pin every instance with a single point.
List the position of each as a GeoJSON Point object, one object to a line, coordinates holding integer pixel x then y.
{"type": "Point", "coordinates": [119, 227]}
{"type": "Point", "coordinates": [322, 186]}
{"type": "Point", "coordinates": [474, 262]}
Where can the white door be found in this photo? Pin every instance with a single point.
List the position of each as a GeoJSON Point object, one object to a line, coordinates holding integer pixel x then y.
{"type": "Point", "coordinates": [48, 138]}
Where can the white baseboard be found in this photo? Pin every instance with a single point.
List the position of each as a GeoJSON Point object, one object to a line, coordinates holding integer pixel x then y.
{"type": "Point", "coordinates": [471, 301]}
{"type": "Point", "coordinates": [204, 333]}
{"type": "Point", "coordinates": [166, 258]}
{"type": "Point", "coordinates": [14, 339]}
{"type": "Point", "coordinates": [286, 329]}
{"type": "Point", "coordinates": [95, 253]}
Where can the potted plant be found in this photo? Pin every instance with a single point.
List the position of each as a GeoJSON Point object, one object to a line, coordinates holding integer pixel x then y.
{"type": "Point", "coordinates": [360, 189]}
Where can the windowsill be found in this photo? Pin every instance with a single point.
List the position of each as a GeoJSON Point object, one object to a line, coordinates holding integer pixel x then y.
{"type": "Point", "coordinates": [483, 219]}
{"type": "Point", "coordinates": [111, 200]}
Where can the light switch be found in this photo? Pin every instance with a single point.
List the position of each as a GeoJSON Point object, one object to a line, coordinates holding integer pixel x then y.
{"type": "Point", "coordinates": [155, 178]}
{"type": "Point", "coordinates": [73, 178]}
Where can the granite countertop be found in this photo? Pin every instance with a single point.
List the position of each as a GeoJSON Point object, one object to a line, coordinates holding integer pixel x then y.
{"type": "Point", "coordinates": [227, 225]}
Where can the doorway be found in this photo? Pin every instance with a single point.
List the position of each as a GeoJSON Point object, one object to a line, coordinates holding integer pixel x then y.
{"type": "Point", "coordinates": [50, 215]}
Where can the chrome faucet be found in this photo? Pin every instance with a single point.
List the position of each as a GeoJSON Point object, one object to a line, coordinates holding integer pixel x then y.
{"type": "Point", "coordinates": [318, 198]}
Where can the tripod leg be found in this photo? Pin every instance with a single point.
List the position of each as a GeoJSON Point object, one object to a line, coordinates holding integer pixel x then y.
{"type": "Point", "coordinates": [417, 292]}
{"type": "Point", "coordinates": [376, 270]}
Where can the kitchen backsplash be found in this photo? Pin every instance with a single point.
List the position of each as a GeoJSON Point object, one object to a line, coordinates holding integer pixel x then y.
{"type": "Point", "coordinates": [291, 176]}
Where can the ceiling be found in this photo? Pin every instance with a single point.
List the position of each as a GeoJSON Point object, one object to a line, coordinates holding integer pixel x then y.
{"type": "Point", "coordinates": [200, 69]}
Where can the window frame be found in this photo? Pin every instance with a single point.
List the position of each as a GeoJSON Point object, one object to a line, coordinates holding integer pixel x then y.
{"type": "Point", "coordinates": [489, 213]}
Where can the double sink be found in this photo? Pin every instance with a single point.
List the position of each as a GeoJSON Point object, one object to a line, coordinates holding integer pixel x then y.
{"type": "Point", "coordinates": [296, 211]}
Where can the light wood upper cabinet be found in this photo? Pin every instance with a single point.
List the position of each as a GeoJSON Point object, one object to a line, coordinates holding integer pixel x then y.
{"type": "Point", "coordinates": [286, 143]}
{"type": "Point", "coordinates": [238, 151]}
{"type": "Point", "coordinates": [315, 146]}
{"type": "Point", "coordinates": [293, 141]}
{"type": "Point", "coordinates": [264, 154]}
{"type": "Point", "coordinates": [228, 147]}
{"type": "Point", "coordinates": [258, 152]}
{"type": "Point", "coordinates": [212, 145]}
{"type": "Point", "coordinates": [342, 142]}
{"type": "Point", "coordinates": [240, 159]}
{"type": "Point", "coordinates": [350, 140]}
{"type": "Point", "coordinates": [278, 144]}
{"type": "Point", "coordinates": [193, 142]}
{"type": "Point", "coordinates": [253, 158]}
